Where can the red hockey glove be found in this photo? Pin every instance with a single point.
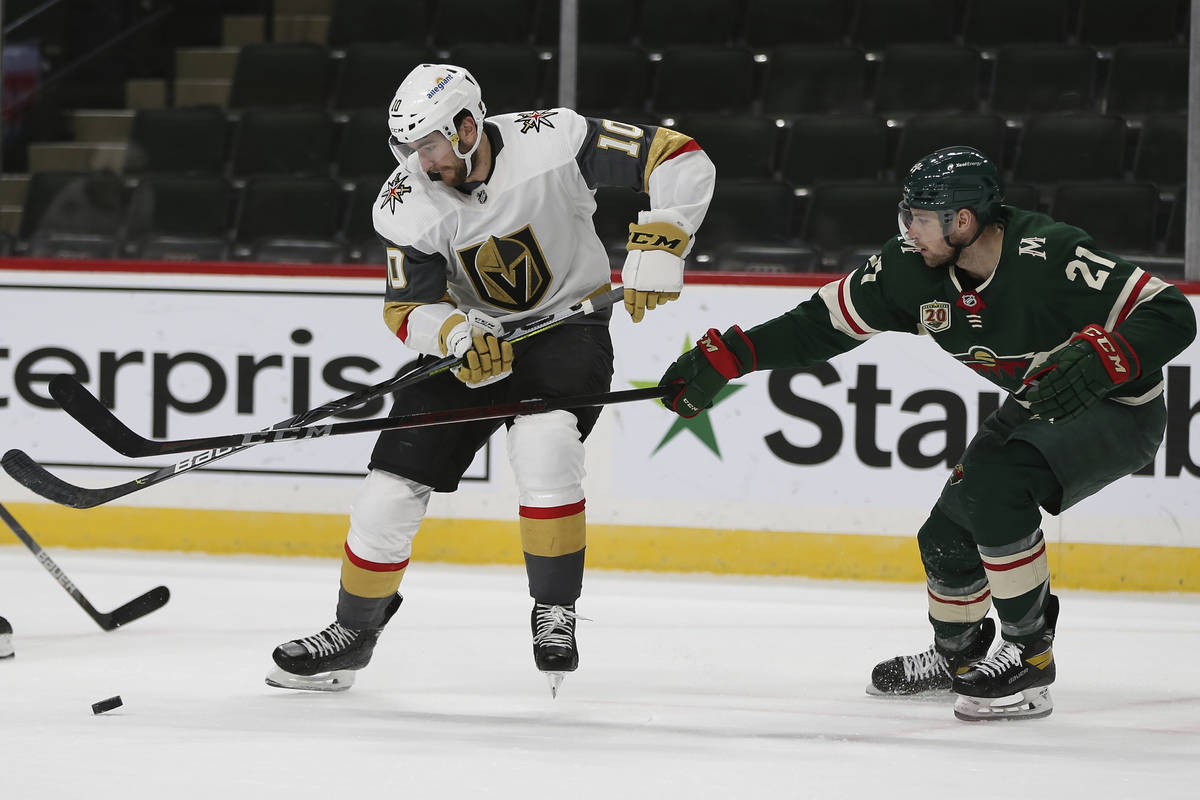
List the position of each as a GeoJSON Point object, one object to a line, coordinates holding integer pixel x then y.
{"type": "Point", "coordinates": [1080, 374]}
{"type": "Point", "coordinates": [701, 373]}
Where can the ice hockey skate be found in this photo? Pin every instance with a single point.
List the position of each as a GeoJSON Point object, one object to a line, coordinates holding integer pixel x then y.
{"type": "Point", "coordinates": [554, 650]}
{"type": "Point", "coordinates": [928, 674]}
{"type": "Point", "coordinates": [1013, 682]}
{"type": "Point", "coordinates": [6, 647]}
{"type": "Point", "coordinates": [327, 661]}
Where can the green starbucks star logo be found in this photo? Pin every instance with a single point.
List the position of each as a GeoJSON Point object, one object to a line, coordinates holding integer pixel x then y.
{"type": "Point", "coordinates": [700, 425]}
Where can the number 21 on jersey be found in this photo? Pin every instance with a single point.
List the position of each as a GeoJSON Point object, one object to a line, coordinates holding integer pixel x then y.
{"type": "Point", "coordinates": [1084, 265]}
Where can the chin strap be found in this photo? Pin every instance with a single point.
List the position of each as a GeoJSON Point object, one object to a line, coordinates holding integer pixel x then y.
{"type": "Point", "coordinates": [959, 248]}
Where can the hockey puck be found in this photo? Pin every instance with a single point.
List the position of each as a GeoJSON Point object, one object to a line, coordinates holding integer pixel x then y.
{"type": "Point", "coordinates": [106, 705]}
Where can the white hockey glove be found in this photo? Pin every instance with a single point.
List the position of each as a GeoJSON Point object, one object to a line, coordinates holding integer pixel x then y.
{"type": "Point", "coordinates": [475, 338]}
{"type": "Point", "coordinates": [653, 271]}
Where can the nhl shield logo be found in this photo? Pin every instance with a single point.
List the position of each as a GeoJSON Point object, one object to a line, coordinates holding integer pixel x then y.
{"type": "Point", "coordinates": [935, 316]}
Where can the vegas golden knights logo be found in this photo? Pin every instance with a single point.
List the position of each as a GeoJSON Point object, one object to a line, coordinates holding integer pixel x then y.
{"type": "Point", "coordinates": [508, 271]}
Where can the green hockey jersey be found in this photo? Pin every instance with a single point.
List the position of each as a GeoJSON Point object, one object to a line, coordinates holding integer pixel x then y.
{"type": "Point", "coordinates": [1051, 281]}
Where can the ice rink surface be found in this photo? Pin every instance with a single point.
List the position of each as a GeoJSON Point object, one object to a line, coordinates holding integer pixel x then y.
{"type": "Point", "coordinates": [689, 687]}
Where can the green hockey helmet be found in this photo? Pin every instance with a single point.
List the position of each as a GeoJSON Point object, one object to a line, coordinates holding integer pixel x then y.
{"type": "Point", "coordinates": [953, 178]}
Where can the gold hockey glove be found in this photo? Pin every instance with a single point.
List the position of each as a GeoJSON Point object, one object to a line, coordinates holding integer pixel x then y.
{"type": "Point", "coordinates": [489, 360]}
{"type": "Point", "coordinates": [653, 271]}
{"type": "Point", "coordinates": [475, 338]}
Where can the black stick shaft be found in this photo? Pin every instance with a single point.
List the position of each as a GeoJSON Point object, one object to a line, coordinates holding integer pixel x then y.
{"type": "Point", "coordinates": [33, 476]}
{"type": "Point", "coordinates": [149, 447]}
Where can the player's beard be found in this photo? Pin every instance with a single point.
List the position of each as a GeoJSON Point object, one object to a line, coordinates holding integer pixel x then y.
{"type": "Point", "coordinates": [457, 179]}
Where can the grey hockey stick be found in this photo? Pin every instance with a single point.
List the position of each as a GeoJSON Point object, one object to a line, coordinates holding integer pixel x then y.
{"type": "Point", "coordinates": [136, 608]}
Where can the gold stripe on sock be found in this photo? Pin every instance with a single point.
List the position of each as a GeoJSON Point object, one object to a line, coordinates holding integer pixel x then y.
{"type": "Point", "coordinates": [369, 583]}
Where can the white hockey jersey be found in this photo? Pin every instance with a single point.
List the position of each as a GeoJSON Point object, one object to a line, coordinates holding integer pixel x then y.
{"type": "Point", "coordinates": [522, 242]}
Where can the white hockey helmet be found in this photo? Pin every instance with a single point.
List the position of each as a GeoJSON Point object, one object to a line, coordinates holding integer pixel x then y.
{"type": "Point", "coordinates": [428, 100]}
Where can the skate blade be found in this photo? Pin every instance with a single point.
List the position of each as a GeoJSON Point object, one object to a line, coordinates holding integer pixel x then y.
{"type": "Point", "coordinates": [1031, 704]}
{"type": "Point", "coordinates": [555, 680]}
{"type": "Point", "coordinates": [930, 696]}
{"type": "Point", "coordinates": [339, 680]}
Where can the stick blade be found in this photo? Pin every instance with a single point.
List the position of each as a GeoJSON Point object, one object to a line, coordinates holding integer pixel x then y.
{"type": "Point", "coordinates": [89, 412]}
{"type": "Point", "coordinates": [37, 479]}
{"type": "Point", "coordinates": [139, 607]}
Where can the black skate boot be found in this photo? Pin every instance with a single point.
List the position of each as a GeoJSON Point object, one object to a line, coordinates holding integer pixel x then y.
{"type": "Point", "coordinates": [1013, 682]}
{"type": "Point", "coordinates": [929, 673]}
{"type": "Point", "coordinates": [6, 648]}
{"type": "Point", "coordinates": [327, 661]}
{"type": "Point", "coordinates": [554, 650]}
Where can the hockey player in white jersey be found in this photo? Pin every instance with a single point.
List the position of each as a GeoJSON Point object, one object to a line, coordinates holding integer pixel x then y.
{"type": "Point", "coordinates": [488, 219]}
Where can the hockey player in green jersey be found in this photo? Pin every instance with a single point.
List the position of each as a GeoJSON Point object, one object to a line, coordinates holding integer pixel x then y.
{"type": "Point", "coordinates": [1075, 335]}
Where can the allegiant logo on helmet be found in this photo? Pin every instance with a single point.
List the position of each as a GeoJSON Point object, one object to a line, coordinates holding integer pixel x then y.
{"type": "Point", "coordinates": [442, 83]}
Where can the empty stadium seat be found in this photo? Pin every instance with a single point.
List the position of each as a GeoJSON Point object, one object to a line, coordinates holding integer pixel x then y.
{"type": "Point", "coordinates": [1161, 155]}
{"type": "Point", "coordinates": [814, 78]}
{"type": "Point", "coordinates": [834, 147]}
{"type": "Point", "coordinates": [925, 133]}
{"type": "Point", "coordinates": [736, 257]}
{"type": "Point", "coordinates": [704, 79]}
{"type": "Point", "coordinates": [850, 218]}
{"type": "Point", "coordinates": [178, 140]}
{"type": "Point", "coordinates": [362, 244]}
{"type": "Point", "coordinates": [1120, 214]}
{"type": "Point", "coordinates": [281, 76]}
{"type": "Point", "coordinates": [288, 219]}
{"type": "Point", "coordinates": [610, 22]}
{"type": "Point", "coordinates": [988, 23]}
{"type": "Point", "coordinates": [72, 215]}
{"type": "Point", "coordinates": [510, 76]}
{"type": "Point", "coordinates": [1035, 79]}
{"type": "Point", "coordinates": [1108, 22]}
{"type": "Point", "coordinates": [611, 81]}
{"type": "Point", "coordinates": [370, 74]}
{"type": "Point", "coordinates": [1023, 195]}
{"type": "Point", "coordinates": [283, 141]}
{"type": "Point", "coordinates": [363, 147]}
{"type": "Point", "coordinates": [927, 77]}
{"type": "Point", "coordinates": [1175, 241]}
{"type": "Point", "coordinates": [771, 23]}
{"type": "Point", "coordinates": [1148, 79]}
{"type": "Point", "coordinates": [744, 212]}
{"type": "Point", "coordinates": [886, 22]}
{"type": "Point", "coordinates": [1078, 146]}
{"type": "Point", "coordinates": [380, 21]}
{"type": "Point", "coordinates": [476, 21]}
{"type": "Point", "coordinates": [179, 218]}
{"type": "Point", "coordinates": [701, 22]}
{"type": "Point", "coordinates": [740, 146]}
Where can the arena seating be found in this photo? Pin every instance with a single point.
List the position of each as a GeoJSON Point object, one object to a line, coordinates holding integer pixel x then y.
{"type": "Point", "coordinates": [811, 109]}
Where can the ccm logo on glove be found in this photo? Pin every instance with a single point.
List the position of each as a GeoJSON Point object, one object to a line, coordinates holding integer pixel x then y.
{"type": "Point", "coordinates": [1114, 360]}
{"type": "Point", "coordinates": [657, 236]}
{"type": "Point", "coordinates": [653, 271]}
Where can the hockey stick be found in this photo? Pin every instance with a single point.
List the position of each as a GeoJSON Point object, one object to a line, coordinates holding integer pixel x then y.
{"type": "Point", "coordinates": [136, 608]}
{"type": "Point", "coordinates": [128, 443]}
{"type": "Point", "coordinates": [92, 414]}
